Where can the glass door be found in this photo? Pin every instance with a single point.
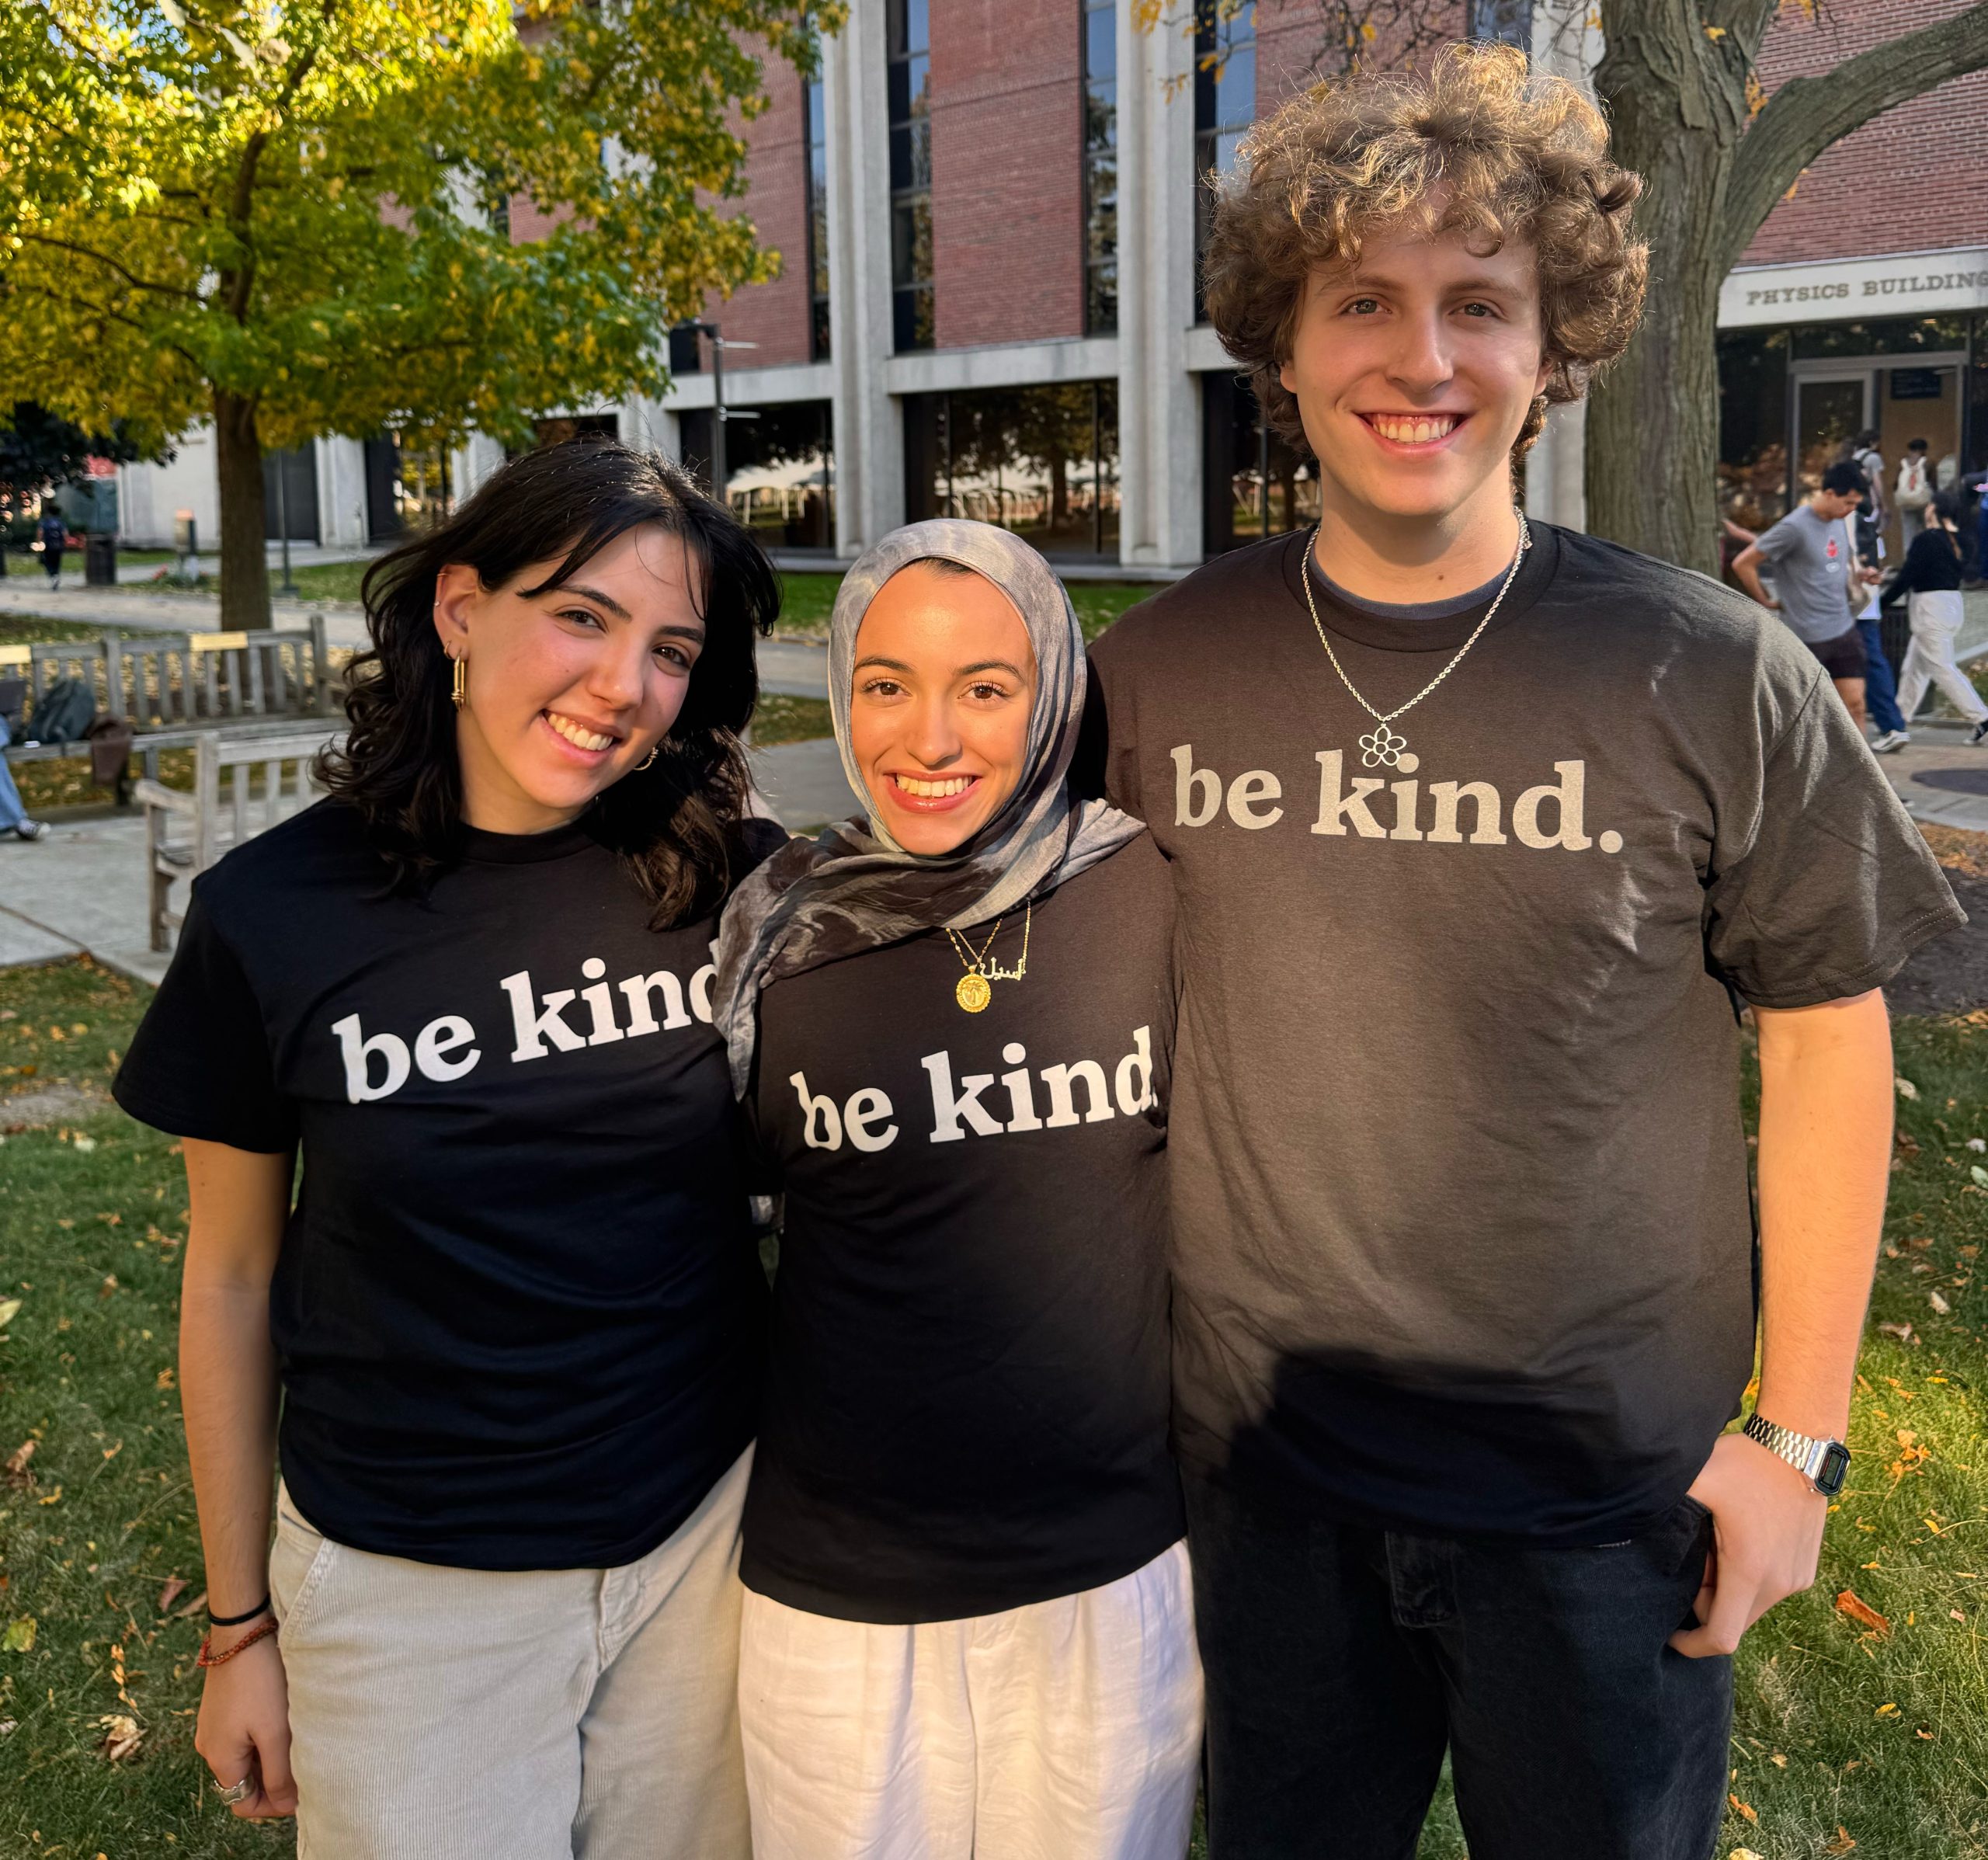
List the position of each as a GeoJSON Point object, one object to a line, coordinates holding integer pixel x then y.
{"type": "Point", "coordinates": [1831, 410]}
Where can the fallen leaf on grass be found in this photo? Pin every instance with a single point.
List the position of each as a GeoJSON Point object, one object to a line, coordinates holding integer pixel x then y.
{"type": "Point", "coordinates": [81, 1144]}
{"type": "Point", "coordinates": [1742, 1853]}
{"type": "Point", "coordinates": [17, 1465]}
{"type": "Point", "coordinates": [1849, 1603]}
{"type": "Point", "coordinates": [10, 1309]}
{"type": "Point", "coordinates": [171, 1594]}
{"type": "Point", "coordinates": [1901, 1332]}
{"type": "Point", "coordinates": [1906, 1088]}
{"type": "Point", "coordinates": [1938, 1303]}
{"type": "Point", "coordinates": [20, 1636]}
{"type": "Point", "coordinates": [1740, 1808]}
{"type": "Point", "coordinates": [1843, 1843]}
{"type": "Point", "coordinates": [121, 1735]}
{"type": "Point", "coordinates": [1886, 1710]}
{"type": "Point", "coordinates": [1979, 1175]}
{"type": "Point", "coordinates": [53, 1496]}
{"type": "Point", "coordinates": [199, 1602]}
{"type": "Point", "coordinates": [109, 1286]}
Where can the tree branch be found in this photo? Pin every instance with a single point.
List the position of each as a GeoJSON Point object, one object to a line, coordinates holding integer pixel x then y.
{"type": "Point", "coordinates": [1807, 114]}
{"type": "Point", "coordinates": [110, 264]}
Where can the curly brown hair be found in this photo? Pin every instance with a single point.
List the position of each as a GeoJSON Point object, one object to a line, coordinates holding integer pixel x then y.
{"type": "Point", "coordinates": [1477, 143]}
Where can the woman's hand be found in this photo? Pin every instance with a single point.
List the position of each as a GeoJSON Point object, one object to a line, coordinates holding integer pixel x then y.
{"type": "Point", "coordinates": [244, 1730]}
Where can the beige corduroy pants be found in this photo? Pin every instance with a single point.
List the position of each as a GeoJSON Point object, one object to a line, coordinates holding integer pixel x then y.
{"type": "Point", "coordinates": [447, 1714]}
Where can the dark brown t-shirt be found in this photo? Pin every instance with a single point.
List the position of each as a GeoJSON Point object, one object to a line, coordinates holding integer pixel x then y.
{"type": "Point", "coordinates": [1463, 1233]}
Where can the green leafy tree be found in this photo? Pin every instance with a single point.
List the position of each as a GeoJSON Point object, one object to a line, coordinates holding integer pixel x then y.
{"type": "Point", "coordinates": [294, 217]}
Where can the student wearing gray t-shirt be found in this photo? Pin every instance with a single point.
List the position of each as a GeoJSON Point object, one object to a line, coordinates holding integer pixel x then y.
{"type": "Point", "coordinates": [1818, 578]}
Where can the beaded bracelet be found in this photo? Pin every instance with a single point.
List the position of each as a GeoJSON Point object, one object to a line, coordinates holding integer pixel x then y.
{"type": "Point", "coordinates": [208, 1658]}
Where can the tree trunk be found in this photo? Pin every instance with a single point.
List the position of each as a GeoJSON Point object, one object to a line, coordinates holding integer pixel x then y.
{"type": "Point", "coordinates": [1652, 429]}
{"type": "Point", "coordinates": [245, 573]}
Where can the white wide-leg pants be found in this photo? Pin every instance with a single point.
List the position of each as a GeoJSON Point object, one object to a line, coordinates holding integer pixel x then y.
{"type": "Point", "coordinates": [1068, 1729]}
{"type": "Point", "coordinates": [1936, 619]}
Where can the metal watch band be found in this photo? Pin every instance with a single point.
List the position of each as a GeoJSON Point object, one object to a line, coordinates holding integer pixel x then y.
{"type": "Point", "coordinates": [1822, 1462]}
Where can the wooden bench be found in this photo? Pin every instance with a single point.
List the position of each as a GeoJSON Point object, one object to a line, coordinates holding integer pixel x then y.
{"type": "Point", "coordinates": [174, 688]}
{"type": "Point", "coordinates": [186, 833]}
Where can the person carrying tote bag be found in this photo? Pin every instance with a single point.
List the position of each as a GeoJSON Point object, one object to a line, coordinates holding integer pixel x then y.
{"type": "Point", "coordinates": [968, 1629]}
{"type": "Point", "coordinates": [1929, 581]}
{"type": "Point", "coordinates": [513, 1312]}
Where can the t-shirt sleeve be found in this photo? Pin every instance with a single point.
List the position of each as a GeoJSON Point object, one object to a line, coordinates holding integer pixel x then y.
{"type": "Point", "coordinates": [1820, 884]}
{"type": "Point", "coordinates": [1106, 764]}
{"type": "Point", "coordinates": [200, 1063]}
{"type": "Point", "coordinates": [1775, 543]}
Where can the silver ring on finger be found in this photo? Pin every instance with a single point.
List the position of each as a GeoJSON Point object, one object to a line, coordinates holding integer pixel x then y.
{"type": "Point", "coordinates": [233, 1792]}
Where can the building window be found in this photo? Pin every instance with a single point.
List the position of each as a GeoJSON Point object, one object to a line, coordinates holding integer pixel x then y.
{"type": "Point", "coordinates": [1502, 21]}
{"type": "Point", "coordinates": [815, 123]}
{"type": "Point", "coordinates": [1254, 484]}
{"type": "Point", "coordinates": [910, 101]}
{"type": "Point", "coordinates": [780, 470]}
{"type": "Point", "coordinates": [1100, 89]}
{"type": "Point", "coordinates": [1040, 461]}
{"type": "Point", "coordinates": [1224, 106]}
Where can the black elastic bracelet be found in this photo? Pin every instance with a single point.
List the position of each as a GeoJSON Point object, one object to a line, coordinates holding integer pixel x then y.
{"type": "Point", "coordinates": [235, 1621]}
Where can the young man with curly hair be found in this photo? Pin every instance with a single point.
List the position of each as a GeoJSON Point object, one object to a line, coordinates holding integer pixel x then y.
{"type": "Point", "coordinates": [1483, 833]}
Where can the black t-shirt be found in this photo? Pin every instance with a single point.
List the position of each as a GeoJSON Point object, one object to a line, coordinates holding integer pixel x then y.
{"type": "Point", "coordinates": [967, 1406]}
{"type": "Point", "coordinates": [1462, 1229]}
{"type": "Point", "coordinates": [517, 1311]}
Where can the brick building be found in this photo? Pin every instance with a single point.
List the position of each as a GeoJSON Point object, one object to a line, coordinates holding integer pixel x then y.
{"type": "Point", "coordinates": [1860, 304]}
{"type": "Point", "coordinates": [988, 213]}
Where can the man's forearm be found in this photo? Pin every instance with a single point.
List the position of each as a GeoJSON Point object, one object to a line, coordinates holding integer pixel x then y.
{"type": "Point", "coordinates": [1747, 573]}
{"type": "Point", "coordinates": [228, 1396]}
{"type": "Point", "coordinates": [1825, 1158]}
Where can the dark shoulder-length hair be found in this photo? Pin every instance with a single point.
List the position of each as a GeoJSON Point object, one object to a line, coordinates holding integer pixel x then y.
{"type": "Point", "coordinates": [675, 822]}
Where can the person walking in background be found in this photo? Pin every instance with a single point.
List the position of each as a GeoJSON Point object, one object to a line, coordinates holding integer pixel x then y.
{"type": "Point", "coordinates": [1880, 681]}
{"type": "Point", "coordinates": [1913, 492]}
{"type": "Point", "coordinates": [1870, 520]}
{"type": "Point", "coordinates": [1929, 580]}
{"type": "Point", "coordinates": [1815, 567]}
{"type": "Point", "coordinates": [52, 537]}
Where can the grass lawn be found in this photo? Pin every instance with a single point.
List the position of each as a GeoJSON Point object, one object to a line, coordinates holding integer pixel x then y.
{"type": "Point", "coordinates": [1881, 1732]}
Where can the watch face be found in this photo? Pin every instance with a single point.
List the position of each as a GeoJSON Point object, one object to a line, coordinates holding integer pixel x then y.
{"type": "Point", "coordinates": [1835, 1468]}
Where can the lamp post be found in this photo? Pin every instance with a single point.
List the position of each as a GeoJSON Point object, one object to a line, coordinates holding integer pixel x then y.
{"type": "Point", "coordinates": [720, 412]}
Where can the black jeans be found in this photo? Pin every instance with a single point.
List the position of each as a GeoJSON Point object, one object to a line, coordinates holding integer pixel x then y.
{"type": "Point", "coordinates": [1342, 1661]}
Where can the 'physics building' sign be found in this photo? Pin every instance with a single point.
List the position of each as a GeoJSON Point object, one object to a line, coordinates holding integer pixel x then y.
{"type": "Point", "coordinates": [1922, 283]}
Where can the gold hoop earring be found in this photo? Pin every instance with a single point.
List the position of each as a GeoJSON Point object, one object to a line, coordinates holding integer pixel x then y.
{"type": "Point", "coordinates": [459, 683]}
{"type": "Point", "coordinates": [647, 759]}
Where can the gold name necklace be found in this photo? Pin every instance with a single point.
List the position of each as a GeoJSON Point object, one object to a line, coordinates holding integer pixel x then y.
{"type": "Point", "coordinates": [973, 990]}
{"type": "Point", "coordinates": [1382, 744]}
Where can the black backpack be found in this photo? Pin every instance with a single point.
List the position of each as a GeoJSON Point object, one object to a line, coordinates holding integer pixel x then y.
{"type": "Point", "coordinates": [64, 713]}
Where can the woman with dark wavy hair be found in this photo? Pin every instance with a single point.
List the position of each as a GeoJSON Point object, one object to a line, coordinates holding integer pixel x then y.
{"type": "Point", "coordinates": [512, 1311]}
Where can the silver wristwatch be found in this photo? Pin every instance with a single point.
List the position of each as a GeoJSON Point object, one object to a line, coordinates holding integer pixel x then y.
{"type": "Point", "coordinates": [1824, 1463]}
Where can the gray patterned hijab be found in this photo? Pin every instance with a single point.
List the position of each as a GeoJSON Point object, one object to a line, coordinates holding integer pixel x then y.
{"type": "Point", "coordinates": [853, 887]}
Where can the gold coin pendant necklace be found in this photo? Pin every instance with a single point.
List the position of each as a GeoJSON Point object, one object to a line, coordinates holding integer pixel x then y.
{"type": "Point", "coordinates": [1384, 745]}
{"type": "Point", "coordinates": [975, 990]}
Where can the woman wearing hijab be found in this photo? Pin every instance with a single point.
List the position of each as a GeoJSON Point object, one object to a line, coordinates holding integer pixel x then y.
{"type": "Point", "coordinates": [968, 1626]}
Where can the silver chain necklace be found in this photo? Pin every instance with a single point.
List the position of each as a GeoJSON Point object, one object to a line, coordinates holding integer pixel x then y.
{"type": "Point", "coordinates": [1383, 745]}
